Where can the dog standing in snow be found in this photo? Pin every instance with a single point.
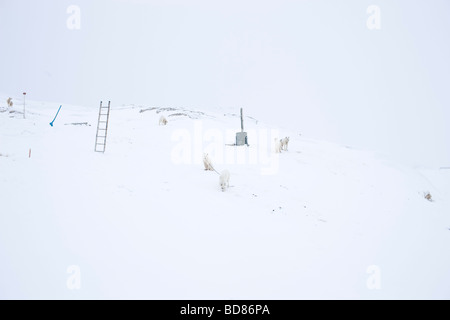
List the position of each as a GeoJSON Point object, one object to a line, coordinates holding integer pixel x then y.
{"type": "Point", "coordinates": [285, 144]}
{"type": "Point", "coordinates": [224, 180]}
{"type": "Point", "coordinates": [162, 121]}
{"type": "Point", "coordinates": [207, 163]}
{"type": "Point", "coordinates": [278, 145]}
{"type": "Point", "coordinates": [9, 102]}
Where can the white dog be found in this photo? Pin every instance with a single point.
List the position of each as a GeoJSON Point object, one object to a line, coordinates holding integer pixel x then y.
{"type": "Point", "coordinates": [285, 144]}
{"type": "Point", "coordinates": [162, 121]}
{"type": "Point", "coordinates": [224, 180]}
{"type": "Point", "coordinates": [207, 163]}
{"type": "Point", "coordinates": [9, 102]}
{"type": "Point", "coordinates": [278, 145]}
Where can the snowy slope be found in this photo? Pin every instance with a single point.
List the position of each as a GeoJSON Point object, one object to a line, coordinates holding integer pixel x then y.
{"type": "Point", "coordinates": [144, 220]}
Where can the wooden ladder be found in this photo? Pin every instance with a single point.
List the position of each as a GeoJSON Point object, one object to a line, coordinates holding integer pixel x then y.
{"type": "Point", "coordinates": [102, 127]}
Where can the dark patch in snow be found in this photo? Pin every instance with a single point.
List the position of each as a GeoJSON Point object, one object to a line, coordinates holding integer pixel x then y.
{"type": "Point", "coordinates": [182, 112]}
{"type": "Point", "coordinates": [148, 109]}
{"type": "Point", "coordinates": [190, 116]}
{"type": "Point", "coordinates": [78, 124]}
{"type": "Point", "coordinates": [159, 110]}
{"type": "Point", "coordinates": [428, 196]}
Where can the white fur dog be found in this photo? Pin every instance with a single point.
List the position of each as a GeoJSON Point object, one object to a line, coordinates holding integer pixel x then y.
{"type": "Point", "coordinates": [9, 102]}
{"type": "Point", "coordinates": [162, 121]}
{"type": "Point", "coordinates": [207, 163]}
{"type": "Point", "coordinates": [224, 180]}
{"type": "Point", "coordinates": [285, 144]}
{"type": "Point", "coordinates": [278, 145]}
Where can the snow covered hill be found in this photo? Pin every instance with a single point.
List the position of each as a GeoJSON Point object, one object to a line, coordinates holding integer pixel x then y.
{"type": "Point", "coordinates": [144, 220]}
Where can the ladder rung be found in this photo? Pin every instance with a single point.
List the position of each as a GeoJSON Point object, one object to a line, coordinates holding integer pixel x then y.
{"type": "Point", "coordinates": [101, 136]}
{"type": "Point", "coordinates": [101, 144]}
{"type": "Point", "coordinates": [102, 121]}
{"type": "Point", "coordinates": [101, 129]}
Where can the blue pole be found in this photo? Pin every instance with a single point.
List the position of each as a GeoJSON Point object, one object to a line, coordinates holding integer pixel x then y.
{"type": "Point", "coordinates": [51, 123]}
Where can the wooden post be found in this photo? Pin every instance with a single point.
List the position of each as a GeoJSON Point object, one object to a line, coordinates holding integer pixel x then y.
{"type": "Point", "coordinates": [242, 120]}
{"type": "Point", "coordinates": [24, 95]}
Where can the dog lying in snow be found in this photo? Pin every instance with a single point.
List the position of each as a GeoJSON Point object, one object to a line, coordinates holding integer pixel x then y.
{"type": "Point", "coordinates": [285, 144]}
{"type": "Point", "coordinates": [162, 121]}
{"type": "Point", "coordinates": [207, 163]}
{"type": "Point", "coordinates": [224, 180]}
{"type": "Point", "coordinates": [9, 102]}
{"type": "Point", "coordinates": [278, 145]}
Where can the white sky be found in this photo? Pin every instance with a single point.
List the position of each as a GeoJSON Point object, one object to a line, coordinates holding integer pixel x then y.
{"type": "Point", "coordinates": [311, 65]}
